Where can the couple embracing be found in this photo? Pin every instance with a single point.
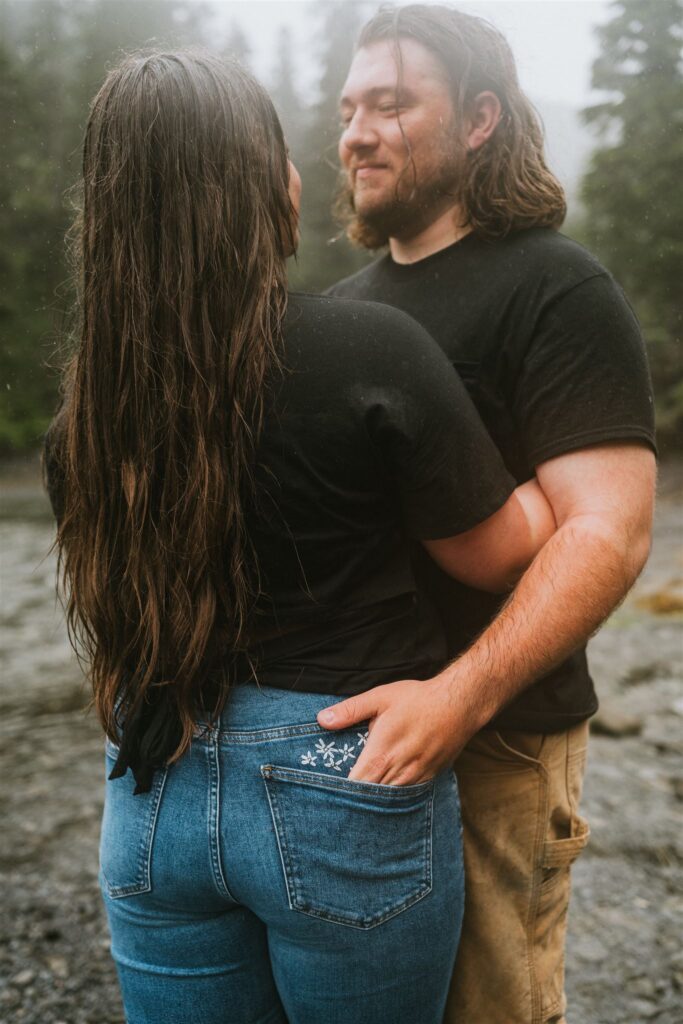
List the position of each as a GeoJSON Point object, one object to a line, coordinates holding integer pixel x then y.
{"type": "Point", "coordinates": [334, 559]}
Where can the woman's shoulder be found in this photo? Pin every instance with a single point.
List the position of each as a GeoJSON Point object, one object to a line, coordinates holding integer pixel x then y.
{"type": "Point", "coordinates": [368, 331]}
{"type": "Point", "coordinates": [330, 308]}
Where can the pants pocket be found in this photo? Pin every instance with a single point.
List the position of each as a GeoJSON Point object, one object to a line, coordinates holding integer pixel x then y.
{"type": "Point", "coordinates": [127, 834]}
{"type": "Point", "coordinates": [354, 853]}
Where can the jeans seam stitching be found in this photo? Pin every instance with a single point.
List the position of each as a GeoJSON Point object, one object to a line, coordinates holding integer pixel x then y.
{"type": "Point", "coordinates": [145, 851]}
{"type": "Point", "coordinates": [247, 736]}
{"type": "Point", "coordinates": [318, 780]}
{"type": "Point", "coordinates": [429, 841]}
{"type": "Point", "coordinates": [280, 839]}
{"type": "Point", "coordinates": [214, 821]}
{"type": "Point", "coordinates": [326, 915]}
{"type": "Point", "coordinates": [534, 984]}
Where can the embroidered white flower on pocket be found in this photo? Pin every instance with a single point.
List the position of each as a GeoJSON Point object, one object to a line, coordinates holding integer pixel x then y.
{"type": "Point", "coordinates": [333, 757]}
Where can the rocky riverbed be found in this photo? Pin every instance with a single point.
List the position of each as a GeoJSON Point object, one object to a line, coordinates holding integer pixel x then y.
{"type": "Point", "coordinates": [625, 956]}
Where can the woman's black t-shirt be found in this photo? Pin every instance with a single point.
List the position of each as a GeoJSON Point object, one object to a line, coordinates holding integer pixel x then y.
{"type": "Point", "coordinates": [369, 439]}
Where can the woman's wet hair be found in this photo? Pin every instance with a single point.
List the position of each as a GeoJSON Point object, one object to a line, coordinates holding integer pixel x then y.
{"type": "Point", "coordinates": [180, 247]}
{"type": "Point", "coordinates": [505, 185]}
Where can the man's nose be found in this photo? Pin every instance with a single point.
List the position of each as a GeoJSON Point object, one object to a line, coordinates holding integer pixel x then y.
{"type": "Point", "coordinates": [358, 134]}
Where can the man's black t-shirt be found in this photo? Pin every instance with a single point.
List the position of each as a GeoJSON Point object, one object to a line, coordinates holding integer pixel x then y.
{"type": "Point", "coordinates": [369, 440]}
{"type": "Point", "coordinates": [553, 358]}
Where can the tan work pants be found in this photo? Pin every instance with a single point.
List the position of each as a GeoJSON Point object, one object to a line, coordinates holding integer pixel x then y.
{"type": "Point", "coordinates": [520, 794]}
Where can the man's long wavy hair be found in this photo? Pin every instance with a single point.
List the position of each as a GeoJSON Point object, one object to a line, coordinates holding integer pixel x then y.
{"type": "Point", "coordinates": [181, 243]}
{"type": "Point", "coordinates": [504, 185]}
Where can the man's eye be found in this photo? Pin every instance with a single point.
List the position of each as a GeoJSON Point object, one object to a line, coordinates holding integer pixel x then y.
{"type": "Point", "coordinates": [388, 108]}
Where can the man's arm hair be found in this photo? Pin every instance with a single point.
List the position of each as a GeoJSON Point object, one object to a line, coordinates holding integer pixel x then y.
{"type": "Point", "coordinates": [602, 498]}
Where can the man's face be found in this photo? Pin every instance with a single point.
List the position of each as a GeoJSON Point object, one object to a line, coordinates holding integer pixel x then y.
{"type": "Point", "coordinates": [399, 144]}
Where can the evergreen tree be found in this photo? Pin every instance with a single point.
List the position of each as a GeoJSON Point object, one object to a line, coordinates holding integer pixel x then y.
{"type": "Point", "coordinates": [54, 55]}
{"type": "Point", "coordinates": [105, 31]}
{"type": "Point", "coordinates": [324, 254]}
{"type": "Point", "coordinates": [286, 97]}
{"type": "Point", "coordinates": [32, 216]}
{"type": "Point", "coordinates": [237, 44]}
{"type": "Point", "coordinates": [632, 190]}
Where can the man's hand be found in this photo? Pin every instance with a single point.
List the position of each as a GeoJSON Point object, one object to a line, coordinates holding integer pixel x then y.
{"type": "Point", "coordinates": [416, 729]}
{"type": "Point", "coordinates": [602, 502]}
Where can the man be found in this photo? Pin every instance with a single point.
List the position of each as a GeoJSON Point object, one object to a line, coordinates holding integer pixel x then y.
{"type": "Point", "coordinates": [444, 163]}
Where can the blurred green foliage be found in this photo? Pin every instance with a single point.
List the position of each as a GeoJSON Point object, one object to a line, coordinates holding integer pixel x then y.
{"type": "Point", "coordinates": [633, 191]}
{"type": "Point", "coordinates": [53, 57]}
{"type": "Point", "coordinates": [55, 53]}
{"type": "Point", "coordinates": [324, 253]}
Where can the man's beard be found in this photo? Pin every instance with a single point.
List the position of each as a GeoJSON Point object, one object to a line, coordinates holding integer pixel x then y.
{"type": "Point", "coordinates": [412, 208]}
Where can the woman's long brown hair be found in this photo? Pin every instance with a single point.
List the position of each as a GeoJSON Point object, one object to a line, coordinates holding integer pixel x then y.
{"type": "Point", "coordinates": [186, 223]}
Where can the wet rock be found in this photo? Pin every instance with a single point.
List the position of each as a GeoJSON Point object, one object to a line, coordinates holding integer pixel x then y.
{"type": "Point", "coordinates": [644, 673]}
{"type": "Point", "coordinates": [58, 965]}
{"type": "Point", "coordinates": [642, 986]}
{"type": "Point", "coordinates": [10, 997]}
{"type": "Point", "coordinates": [644, 1009]}
{"type": "Point", "coordinates": [24, 978]}
{"type": "Point", "coordinates": [624, 959]}
{"type": "Point", "coordinates": [609, 721]}
{"type": "Point", "coordinates": [590, 949]}
{"type": "Point", "coordinates": [667, 601]}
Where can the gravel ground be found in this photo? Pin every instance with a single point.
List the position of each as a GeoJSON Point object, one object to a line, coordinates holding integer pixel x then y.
{"type": "Point", "coordinates": [625, 958]}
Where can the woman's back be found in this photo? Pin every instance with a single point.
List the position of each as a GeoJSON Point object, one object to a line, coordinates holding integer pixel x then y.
{"type": "Point", "coordinates": [369, 439]}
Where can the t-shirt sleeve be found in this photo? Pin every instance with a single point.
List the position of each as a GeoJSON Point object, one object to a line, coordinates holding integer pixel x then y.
{"type": "Point", "coordinates": [584, 378]}
{"type": "Point", "coordinates": [443, 467]}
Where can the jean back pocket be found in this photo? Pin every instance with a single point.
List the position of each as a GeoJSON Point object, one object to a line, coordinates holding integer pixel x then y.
{"type": "Point", "coordinates": [354, 853]}
{"type": "Point", "coordinates": [128, 825]}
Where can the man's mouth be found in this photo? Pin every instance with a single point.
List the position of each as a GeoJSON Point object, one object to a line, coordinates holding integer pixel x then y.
{"type": "Point", "coordinates": [364, 171]}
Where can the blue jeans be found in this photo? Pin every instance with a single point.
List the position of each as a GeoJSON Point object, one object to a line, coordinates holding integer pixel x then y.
{"type": "Point", "coordinates": [256, 884]}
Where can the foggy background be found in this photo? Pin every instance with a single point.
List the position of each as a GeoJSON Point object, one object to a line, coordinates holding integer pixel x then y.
{"type": "Point", "coordinates": [607, 79]}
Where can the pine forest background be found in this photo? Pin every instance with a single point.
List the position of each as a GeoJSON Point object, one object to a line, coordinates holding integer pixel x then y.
{"type": "Point", "coordinates": [623, 170]}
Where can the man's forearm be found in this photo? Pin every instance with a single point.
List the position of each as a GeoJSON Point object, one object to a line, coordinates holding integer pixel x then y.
{"type": "Point", "coordinates": [418, 727]}
{"type": "Point", "coordinates": [602, 500]}
{"type": "Point", "coordinates": [577, 579]}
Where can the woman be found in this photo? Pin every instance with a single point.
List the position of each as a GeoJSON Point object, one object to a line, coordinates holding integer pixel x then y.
{"type": "Point", "coordinates": [235, 474]}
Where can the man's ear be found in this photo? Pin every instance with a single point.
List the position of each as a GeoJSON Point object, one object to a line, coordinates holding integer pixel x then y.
{"type": "Point", "coordinates": [483, 120]}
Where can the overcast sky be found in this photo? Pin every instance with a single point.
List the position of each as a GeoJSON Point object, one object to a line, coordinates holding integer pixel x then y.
{"type": "Point", "coordinates": [553, 40]}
